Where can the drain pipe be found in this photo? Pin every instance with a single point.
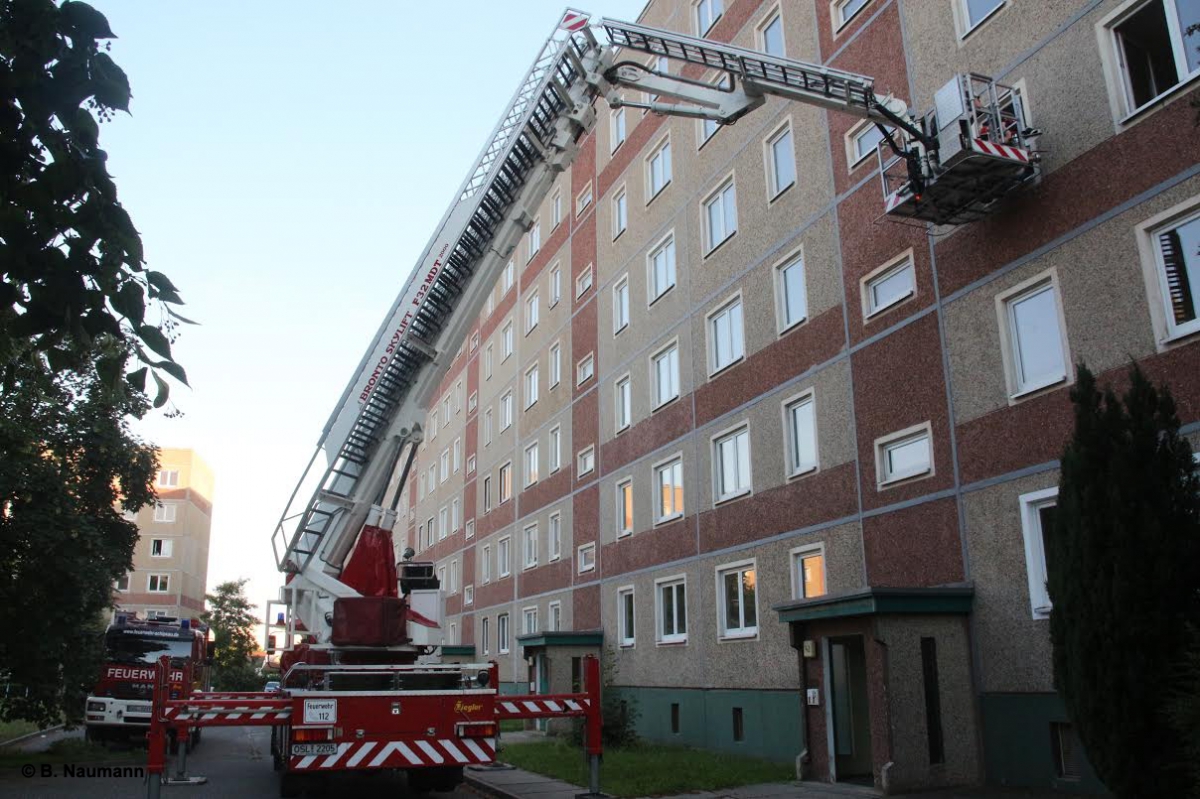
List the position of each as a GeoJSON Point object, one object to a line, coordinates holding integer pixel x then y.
{"type": "Point", "coordinates": [797, 642]}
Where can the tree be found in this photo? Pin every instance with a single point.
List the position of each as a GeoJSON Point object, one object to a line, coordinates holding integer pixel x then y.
{"type": "Point", "coordinates": [73, 272]}
{"type": "Point", "coordinates": [1121, 564]}
{"type": "Point", "coordinates": [68, 463]}
{"type": "Point", "coordinates": [232, 622]}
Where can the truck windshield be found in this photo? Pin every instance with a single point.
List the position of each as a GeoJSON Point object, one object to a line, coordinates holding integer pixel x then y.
{"type": "Point", "coordinates": [130, 647]}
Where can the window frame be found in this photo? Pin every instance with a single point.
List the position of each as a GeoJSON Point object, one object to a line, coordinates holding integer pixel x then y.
{"type": "Point", "coordinates": [792, 468]}
{"type": "Point", "coordinates": [655, 471]}
{"type": "Point", "coordinates": [584, 282]}
{"type": "Point", "coordinates": [1030, 505]}
{"type": "Point", "coordinates": [744, 632]}
{"type": "Point", "coordinates": [527, 613]}
{"type": "Point", "coordinates": [590, 453]}
{"type": "Point", "coordinates": [485, 564]}
{"type": "Point", "coordinates": [622, 410]}
{"type": "Point", "coordinates": [526, 539]}
{"type": "Point", "coordinates": [618, 129]}
{"type": "Point", "coordinates": [838, 19]}
{"type": "Point", "coordinates": [554, 285]}
{"type": "Point", "coordinates": [796, 558]}
{"type": "Point", "coordinates": [485, 634]}
{"type": "Point", "coordinates": [660, 636]}
{"type": "Point", "coordinates": [624, 488]}
{"type": "Point", "coordinates": [793, 258]}
{"type": "Point", "coordinates": [626, 599]}
{"type": "Point", "coordinates": [502, 639]}
{"type": "Point", "coordinates": [166, 512]}
{"type": "Point", "coordinates": [620, 212]}
{"type": "Point", "coordinates": [554, 536]}
{"type": "Point", "coordinates": [657, 402]}
{"type": "Point", "coordinates": [531, 463]}
{"type": "Point", "coordinates": [166, 547]}
{"type": "Point", "coordinates": [855, 158]}
{"type": "Point", "coordinates": [534, 240]}
{"type": "Point", "coordinates": [696, 6]}
{"type": "Point", "coordinates": [582, 551]}
{"type": "Point", "coordinates": [1010, 341]}
{"type": "Point", "coordinates": [963, 12]}
{"type": "Point", "coordinates": [167, 478]}
{"type": "Point", "coordinates": [1167, 332]}
{"type": "Point", "coordinates": [621, 287]}
{"type": "Point", "coordinates": [1113, 58]}
{"type": "Point", "coordinates": [503, 557]}
{"type": "Point", "coordinates": [555, 366]}
{"type": "Point", "coordinates": [662, 146]}
{"type": "Point", "coordinates": [717, 463]}
{"type": "Point", "coordinates": [469, 594]}
{"type": "Point", "coordinates": [654, 294]}
{"type": "Point", "coordinates": [531, 382]}
{"type": "Point", "coordinates": [583, 199]}
{"type": "Point", "coordinates": [728, 183]}
{"type": "Point", "coordinates": [554, 449]}
{"type": "Point", "coordinates": [883, 477]}
{"type": "Point", "coordinates": [884, 271]}
{"type": "Point", "coordinates": [163, 580]}
{"type": "Point", "coordinates": [505, 470]}
{"type": "Point", "coordinates": [774, 14]}
{"type": "Point", "coordinates": [589, 361]}
{"type": "Point", "coordinates": [769, 161]}
{"type": "Point", "coordinates": [554, 616]}
{"type": "Point", "coordinates": [507, 341]}
{"type": "Point", "coordinates": [507, 414]}
{"type": "Point", "coordinates": [710, 336]}
{"type": "Point", "coordinates": [533, 311]}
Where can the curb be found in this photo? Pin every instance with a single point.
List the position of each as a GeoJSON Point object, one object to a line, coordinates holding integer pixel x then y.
{"type": "Point", "coordinates": [29, 735]}
{"type": "Point", "coordinates": [487, 789]}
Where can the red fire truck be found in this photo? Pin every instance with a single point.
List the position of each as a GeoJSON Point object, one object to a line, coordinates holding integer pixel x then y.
{"type": "Point", "coordinates": [120, 704]}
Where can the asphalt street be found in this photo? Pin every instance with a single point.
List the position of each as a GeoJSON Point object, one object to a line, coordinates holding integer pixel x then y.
{"type": "Point", "coordinates": [236, 761]}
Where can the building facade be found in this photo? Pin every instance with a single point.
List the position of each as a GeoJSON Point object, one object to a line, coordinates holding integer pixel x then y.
{"type": "Point", "coordinates": [170, 561]}
{"type": "Point", "coordinates": [787, 461]}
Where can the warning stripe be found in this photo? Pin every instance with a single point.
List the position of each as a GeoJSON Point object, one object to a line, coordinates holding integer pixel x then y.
{"type": "Point", "coordinates": [400, 754]}
{"type": "Point", "coordinates": [573, 21]}
{"type": "Point", "coordinates": [1001, 150]}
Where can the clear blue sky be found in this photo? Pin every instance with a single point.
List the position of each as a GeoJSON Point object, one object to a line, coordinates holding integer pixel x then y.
{"type": "Point", "coordinates": [285, 164]}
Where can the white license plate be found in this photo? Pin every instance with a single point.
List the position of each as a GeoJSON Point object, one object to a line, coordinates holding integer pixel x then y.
{"type": "Point", "coordinates": [314, 749]}
{"type": "Point", "coordinates": [139, 710]}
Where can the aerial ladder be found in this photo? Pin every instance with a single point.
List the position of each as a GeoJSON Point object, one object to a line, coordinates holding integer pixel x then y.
{"type": "Point", "coordinates": [361, 633]}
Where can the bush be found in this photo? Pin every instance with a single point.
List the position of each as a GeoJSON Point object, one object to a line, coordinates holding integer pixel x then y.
{"type": "Point", "coordinates": [619, 725]}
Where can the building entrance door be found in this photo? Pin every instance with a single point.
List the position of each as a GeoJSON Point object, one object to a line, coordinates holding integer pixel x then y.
{"type": "Point", "coordinates": [851, 716]}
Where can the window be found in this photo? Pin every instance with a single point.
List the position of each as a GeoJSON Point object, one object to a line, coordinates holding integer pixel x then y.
{"type": "Point", "coordinates": [862, 141]}
{"type": "Point", "coordinates": [509, 277]}
{"type": "Point", "coordinates": [903, 455]}
{"type": "Point", "coordinates": [531, 312]}
{"type": "Point", "coordinates": [555, 536]}
{"type": "Point", "coordinates": [430, 532]}
{"type": "Point", "coordinates": [662, 268]}
{"type": "Point", "coordinates": [791, 292]}
{"type": "Point", "coordinates": [624, 507]}
{"type": "Point", "coordinates": [505, 483]}
{"type": "Point", "coordinates": [738, 601]}
{"type": "Point", "coordinates": [421, 486]}
{"type": "Point", "coordinates": [455, 514]}
{"type": "Point", "coordinates": [616, 128]}
{"type": "Point", "coordinates": [432, 477]}
{"type": "Point", "coordinates": [583, 199]}
{"type": "Point", "coordinates": [888, 285]}
{"type": "Point", "coordinates": [484, 634]}
{"type": "Point", "coordinates": [441, 577]}
{"type": "Point", "coordinates": [1154, 51]}
{"type": "Point", "coordinates": [555, 286]}
{"type": "Point", "coordinates": [129, 515]}
{"type": "Point", "coordinates": [800, 421]}
{"type": "Point", "coordinates": [583, 282]}
{"type": "Point", "coordinates": [725, 339]}
{"type": "Point", "coordinates": [720, 216]}
{"type": "Point", "coordinates": [1037, 522]}
{"type": "Point", "coordinates": [160, 547]}
{"type": "Point", "coordinates": [502, 633]}
{"type": "Point", "coordinates": [529, 618]}
{"type": "Point", "coordinates": [470, 528]}
{"type": "Point", "coordinates": [555, 453]}
{"type": "Point", "coordinates": [808, 572]}
{"type": "Point", "coordinates": [472, 401]}
{"type": "Point", "coordinates": [554, 614]}
{"type": "Point", "coordinates": [781, 161]}
{"type": "Point", "coordinates": [555, 375]}
{"type": "Point", "coordinates": [587, 558]}
{"type": "Point", "coordinates": [152, 613]}
{"type": "Point", "coordinates": [531, 464]}
{"type": "Point", "coordinates": [1034, 333]}
{"type": "Point", "coordinates": [668, 482]}
{"type": "Point", "coordinates": [556, 209]}
{"type": "Point", "coordinates": [444, 465]}
{"type": "Point", "coordinates": [585, 369]}
{"type": "Point", "coordinates": [587, 460]}
{"type": "Point", "coordinates": [531, 386]}
{"type": "Point", "coordinates": [658, 170]}
{"type": "Point", "coordinates": [491, 302]}
{"type": "Point", "coordinates": [443, 522]}
{"type": "Point", "coordinates": [709, 127]}
{"type": "Point", "coordinates": [976, 11]}
{"type": "Point", "coordinates": [468, 594]}
{"type": "Point", "coordinates": [507, 341]}
{"type": "Point", "coordinates": [487, 493]}
{"type": "Point", "coordinates": [506, 410]}
{"type": "Point", "coordinates": [122, 583]}
{"type": "Point", "coordinates": [531, 546]}
{"type": "Point", "coordinates": [487, 427]}
{"type": "Point", "coordinates": [1177, 260]}
{"type": "Point", "coordinates": [446, 411]}
{"type": "Point", "coordinates": [707, 14]}
{"type": "Point", "coordinates": [671, 609]}
{"type": "Point", "coordinates": [623, 404]}
{"type": "Point", "coordinates": [731, 465]}
{"type": "Point", "coordinates": [486, 563]}
{"type": "Point", "coordinates": [771, 36]}
{"type": "Point", "coordinates": [168, 478]}
{"type": "Point", "coordinates": [454, 576]}
{"type": "Point", "coordinates": [503, 564]}
{"type": "Point", "coordinates": [475, 341]}
{"type": "Point", "coordinates": [433, 423]}
{"type": "Point", "coordinates": [620, 214]}
{"type": "Point", "coordinates": [535, 239]}
{"type": "Point", "coordinates": [164, 513]}
{"type": "Point", "coordinates": [845, 10]}
{"type": "Point", "coordinates": [665, 365]}
{"type": "Point", "coordinates": [621, 305]}
{"type": "Point", "coordinates": [456, 455]}
{"type": "Point", "coordinates": [487, 362]}
{"type": "Point", "coordinates": [625, 619]}
{"type": "Point", "coordinates": [158, 583]}
{"type": "Point", "coordinates": [453, 638]}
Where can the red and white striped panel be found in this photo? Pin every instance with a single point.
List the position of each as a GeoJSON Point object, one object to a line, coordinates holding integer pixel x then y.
{"type": "Point", "coordinates": [573, 21]}
{"type": "Point", "coordinates": [527, 707]}
{"type": "Point", "coordinates": [400, 754]}
{"type": "Point", "coordinates": [1000, 150]}
{"type": "Point", "coordinates": [230, 715]}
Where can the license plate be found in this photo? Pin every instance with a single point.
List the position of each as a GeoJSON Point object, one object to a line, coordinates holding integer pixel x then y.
{"type": "Point", "coordinates": [139, 710]}
{"type": "Point", "coordinates": [314, 749]}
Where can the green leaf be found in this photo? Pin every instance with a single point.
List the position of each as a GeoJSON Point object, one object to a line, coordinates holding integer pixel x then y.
{"type": "Point", "coordinates": [109, 370]}
{"type": "Point", "coordinates": [155, 340]}
{"type": "Point", "coordinates": [83, 127]}
{"type": "Point", "coordinates": [85, 20]}
{"type": "Point", "coordinates": [164, 391]}
{"type": "Point", "coordinates": [130, 302]}
{"type": "Point", "coordinates": [137, 379]}
{"type": "Point", "coordinates": [111, 83]}
{"type": "Point", "coordinates": [174, 370]}
{"type": "Point", "coordinates": [160, 281]}
{"type": "Point", "coordinates": [180, 317]}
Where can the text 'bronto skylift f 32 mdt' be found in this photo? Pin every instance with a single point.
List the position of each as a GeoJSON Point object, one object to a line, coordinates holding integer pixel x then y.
{"type": "Point", "coordinates": [364, 686]}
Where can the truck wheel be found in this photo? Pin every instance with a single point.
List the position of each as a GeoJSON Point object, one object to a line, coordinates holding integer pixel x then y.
{"type": "Point", "coordinates": [290, 785]}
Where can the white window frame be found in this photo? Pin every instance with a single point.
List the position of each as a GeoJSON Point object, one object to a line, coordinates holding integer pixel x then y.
{"type": "Point", "coordinates": [470, 528]}
{"type": "Point", "coordinates": [456, 455]}
{"type": "Point", "coordinates": [585, 370]}
{"type": "Point", "coordinates": [506, 410]}
{"type": "Point", "coordinates": [555, 372]}
{"type": "Point", "coordinates": [555, 285]}
{"type": "Point", "coordinates": [166, 512]}
{"type": "Point", "coordinates": [485, 564]}
{"type": "Point", "coordinates": [663, 584]}
{"type": "Point", "coordinates": [472, 401]}
{"type": "Point", "coordinates": [454, 576]}
{"type": "Point", "coordinates": [623, 403]}
{"type": "Point", "coordinates": [1035, 552]}
{"type": "Point", "coordinates": [161, 579]}
{"type": "Point", "coordinates": [583, 552]}
{"type": "Point", "coordinates": [664, 245]}
{"type": "Point", "coordinates": [586, 456]}
{"type": "Point", "coordinates": [1167, 330]}
{"type": "Point", "coordinates": [505, 470]}
{"type": "Point", "coordinates": [502, 643]}
{"type": "Point", "coordinates": [165, 547]}
{"type": "Point", "coordinates": [717, 195]}
{"type": "Point", "coordinates": [485, 634]}
{"type": "Point", "coordinates": [697, 15]}
{"type": "Point", "coordinates": [443, 522]}
{"type": "Point", "coordinates": [556, 209]}
{"type": "Point", "coordinates": [963, 12]}
{"type": "Point", "coordinates": [792, 466]}
{"type": "Point", "coordinates": [1111, 54]}
{"type": "Point", "coordinates": [554, 616]}
{"type": "Point", "coordinates": [529, 545]}
{"type": "Point", "coordinates": [504, 557]}
{"type": "Point", "coordinates": [855, 157]}
{"type": "Point", "coordinates": [529, 620]}
{"type": "Point", "coordinates": [769, 160]}
{"type": "Point", "coordinates": [583, 199]}
{"type": "Point", "coordinates": [775, 14]}
{"type": "Point", "coordinates": [1010, 345]}
{"type": "Point", "coordinates": [535, 239]}
{"type": "Point", "coordinates": [554, 536]}
{"type": "Point", "coordinates": [666, 168]}
{"type": "Point", "coordinates": [618, 129]}
{"type": "Point", "coordinates": [624, 487]}
{"type": "Point", "coordinates": [883, 476]}
{"type": "Point", "coordinates": [506, 341]}
{"type": "Point", "coordinates": [711, 339]}
{"type": "Point", "coordinates": [168, 478]}
{"type": "Point", "coordinates": [620, 297]}
{"type": "Point", "coordinates": [797, 556]}
{"type": "Point", "coordinates": [487, 427]}
{"type": "Point", "coordinates": [626, 636]}
{"type": "Point", "coordinates": [455, 514]}
{"type": "Point", "coordinates": [656, 489]}
{"type": "Point", "coordinates": [532, 311]}
{"type": "Point", "coordinates": [743, 632]}
{"type": "Point", "coordinates": [789, 261]}
{"type": "Point", "coordinates": [530, 461]}
{"type": "Point", "coordinates": [531, 386]}
{"type": "Point", "coordinates": [488, 352]}
{"type": "Point", "coordinates": [620, 212]}
{"type": "Point", "coordinates": [444, 465]}
{"type": "Point", "coordinates": [887, 270]}
{"type": "Point", "coordinates": [675, 389]}
{"type": "Point", "coordinates": [715, 442]}
{"type": "Point", "coordinates": [126, 581]}
{"type": "Point", "coordinates": [837, 13]}
{"type": "Point", "coordinates": [554, 450]}
{"type": "Point", "coordinates": [469, 594]}
{"type": "Point", "coordinates": [509, 277]}
{"type": "Point", "coordinates": [583, 282]}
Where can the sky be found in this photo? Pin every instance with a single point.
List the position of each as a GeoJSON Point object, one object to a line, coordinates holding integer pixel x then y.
{"type": "Point", "coordinates": [286, 164]}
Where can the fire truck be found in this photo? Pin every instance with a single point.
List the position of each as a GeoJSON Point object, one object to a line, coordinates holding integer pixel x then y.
{"type": "Point", "coordinates": [363, 688]}
{"type": "Point", "coordinates": [120, 704]}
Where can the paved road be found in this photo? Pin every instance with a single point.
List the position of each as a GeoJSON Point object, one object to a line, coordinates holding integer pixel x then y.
{"type": "Point", "coordinates": [236, 760]}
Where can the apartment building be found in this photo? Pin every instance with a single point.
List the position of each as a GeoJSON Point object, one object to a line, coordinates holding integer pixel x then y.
{"type": "Point", "coordinates": [170, 561]}
{"type": "Point", "coordinates": [786, 460]}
